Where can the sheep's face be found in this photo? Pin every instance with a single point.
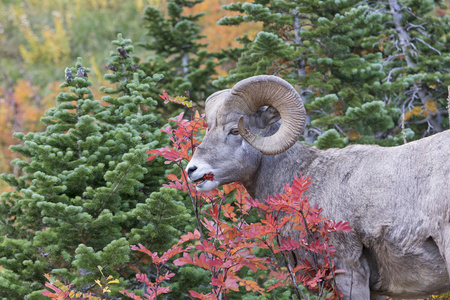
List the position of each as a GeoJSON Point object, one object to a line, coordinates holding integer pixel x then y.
{"type": "Point", "coordinates": [224, 154]}
{"type": "Point", "coordinates": [239, 123]}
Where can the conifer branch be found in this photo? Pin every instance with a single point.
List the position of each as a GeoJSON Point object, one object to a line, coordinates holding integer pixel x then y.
{"type": "Point", "coordinates": [409, 50]}
{"type": "Point", "coordinates": [388, 78]}
{"type": "Point", "coordinates": [428, 45]}
{"type": "Point", "coordinates": [118, 184]}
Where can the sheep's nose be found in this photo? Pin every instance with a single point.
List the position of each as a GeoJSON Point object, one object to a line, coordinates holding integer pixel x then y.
{"type": "Point", "coordinates": [191, 170]}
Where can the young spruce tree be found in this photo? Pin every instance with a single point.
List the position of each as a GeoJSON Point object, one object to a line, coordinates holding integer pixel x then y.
{"type": "Point", "coordinates": [179, 55]}
{"type": "Point", "coordinates": [87, 191]}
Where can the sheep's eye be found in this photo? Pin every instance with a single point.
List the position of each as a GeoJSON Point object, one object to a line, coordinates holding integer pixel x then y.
{"type": "Point", "coordinates": [234, 131]}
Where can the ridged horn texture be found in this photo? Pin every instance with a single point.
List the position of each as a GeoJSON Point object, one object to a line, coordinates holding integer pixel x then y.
{"type": "Point", "coordinates": [252, 93]}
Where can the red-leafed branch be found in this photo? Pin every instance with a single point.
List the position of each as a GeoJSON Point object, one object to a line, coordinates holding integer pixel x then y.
{"type": "Point", "coordinates": [225, 243]}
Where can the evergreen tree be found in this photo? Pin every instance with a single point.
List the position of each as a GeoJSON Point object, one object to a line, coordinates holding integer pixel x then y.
{"type": "Point", "coordinates": [87, 191]}
{"type": "Point", "coordinates": [326, 48]}
{"type": "Point", "coordinates": [179, 55]}
{"type": "Point", "coordinates": [416, 60]}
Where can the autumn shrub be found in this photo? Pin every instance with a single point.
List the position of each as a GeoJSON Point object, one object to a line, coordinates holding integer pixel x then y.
{"type": "Point", "coordinates": [226, 244]}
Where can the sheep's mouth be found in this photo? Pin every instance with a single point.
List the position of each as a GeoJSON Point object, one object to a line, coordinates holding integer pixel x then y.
{"type": "Point", "coordinates": [203, 179]}
{"type": "Point", "coordinates": [199, 181]}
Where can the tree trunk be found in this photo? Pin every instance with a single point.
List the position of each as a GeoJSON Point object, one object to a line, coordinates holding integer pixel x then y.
{"type": "Point", "coordinates": [405, 44]}
{"type": "Point", "coordinates": [301, 72]}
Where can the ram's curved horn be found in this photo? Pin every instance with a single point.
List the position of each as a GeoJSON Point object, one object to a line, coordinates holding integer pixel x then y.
{"type": "Point", "coordinates": [252, 93]}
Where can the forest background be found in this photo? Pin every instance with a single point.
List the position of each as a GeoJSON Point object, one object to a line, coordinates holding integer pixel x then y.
{"type": "Point", "coordinates": [39, 39]}
{"type": "Point", "coordinates": [366, 77]}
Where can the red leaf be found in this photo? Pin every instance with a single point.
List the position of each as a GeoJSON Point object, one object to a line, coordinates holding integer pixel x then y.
{"type": "Point", "coordinates": [209, 176]}
{"type": "Point", "coordinates": [277, 285]}
{"type": "Point", "coordinates": [186, 259]}
{"type": "Point", "coordinates": [162, 290]}
{"type": "Point", "coordinates": [131, 295]}
{"type": "Point", "coordinates": [288, 245]}
{"type": "Point", "coordinates": [172, 177]}
{"type": "Point", "coordinates": [165, 97]}
{"type": "Point", "coordinates": [141, 248]}
{"type": "Point", "coordinates": [179, 118]}
{"type": "Point", "coordinates": [210, 248]}
{"type": "Point", "coordinates": [201, 296]}
{"type": "Point", "coordinates": [199, 261]}
{"type": "Point", "coordinates": [171, 253]}
{"type": "Point", "coordinates": [170, 154]}
{"type": "Point", "coordinates": [229, 283]}
{"type": "Point", "coordinates": [142, 278]}
{"type": "Point", "coordinates": [190, 236]}
{"type": "Point", "coordinates": [155, 153]}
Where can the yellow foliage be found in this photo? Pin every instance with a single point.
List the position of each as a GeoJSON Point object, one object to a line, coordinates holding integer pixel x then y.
{"type": "Point", "coordinates": [220, 37]}
{"type": "Point", "coordinates": [440, 297]}
{"type": "Point", "coordinates": [20, 111]}
{"type": "Point", "coordinates": [353, 134]}
{"type": "Point", "coordinates": [95, 70]}
{"type": "Point", "coordinates": [416, 111]}
{"type": "Point", "coordinates": [81, 6]}
{"type": "Point", "coordinates": [142, 4]}
{"type": "Point", "coordinates": [23, 90]}
{"type": "Point", "coordinates": [52, 47]}
{"type": "Point", "coordinates": [423, 111]}
{"type": "Point", "coordinates": [431, 106]}
{"type": "Point", "coordinates": [113, 281]}
{"type": "Point", "coordinates": [110, 279]}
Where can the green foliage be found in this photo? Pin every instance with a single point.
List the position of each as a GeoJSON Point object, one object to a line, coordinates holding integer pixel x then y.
{"type": "Point", "coordinates": [343, 58]}
{"type": "Point", "coordinates": [417, 70]}
{"type": "Point", "coordinates": [160, 212]}
{"type": "Point", "coordinates": [175, 39]}
{"type": "Point", "coordinates": [190, 278]}
{"type": "Point", "coordinates": [330, 139]}
{"type": "Point", "coordinates": [53, 34]}
{"type": "Point", "coordinates": [312, 44]}
{"type": "Point", "coordinates": [88, 188]}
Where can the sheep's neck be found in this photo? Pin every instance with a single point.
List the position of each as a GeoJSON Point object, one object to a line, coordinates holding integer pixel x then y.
{"type": "Point", "coordinates": [276, 171]}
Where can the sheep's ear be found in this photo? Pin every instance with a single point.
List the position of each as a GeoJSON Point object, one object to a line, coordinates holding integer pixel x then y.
{"type": "Point", "coordinates": [269, 116]}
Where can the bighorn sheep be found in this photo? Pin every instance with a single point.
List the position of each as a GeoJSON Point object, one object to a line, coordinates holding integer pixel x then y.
{"type": "Point", "coordinates": [397, 199]}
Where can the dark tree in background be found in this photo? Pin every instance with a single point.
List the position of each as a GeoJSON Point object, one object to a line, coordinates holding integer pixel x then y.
{"type": "Point", "coordinates": [178, 54]}
{"type": "Point", "coordinates": [416, 60]}
{"type": "Point", "coordinates": [333, 52]}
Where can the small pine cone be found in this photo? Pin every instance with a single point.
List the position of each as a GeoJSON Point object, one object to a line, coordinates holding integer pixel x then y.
{"type": "Point", "coordinates": [123, 52]}
{"type": "Point", "coordinates": [68, 75]}
{"type": "Point", "coordinates": [112, 67]}
{"type": "Point", "coordinates": [81, 73]}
